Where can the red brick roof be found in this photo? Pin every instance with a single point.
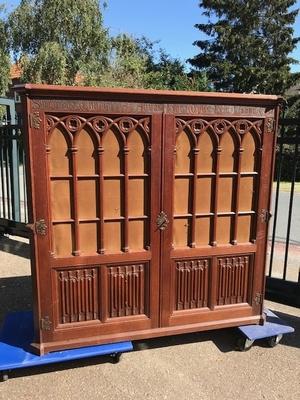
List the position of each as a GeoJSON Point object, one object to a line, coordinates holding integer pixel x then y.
{"type": "Point", "coordinates": [15, 71]}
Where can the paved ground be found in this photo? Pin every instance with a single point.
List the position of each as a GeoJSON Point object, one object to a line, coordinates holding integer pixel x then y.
{"type": "Point", "coordinates": [282, 218]}
{"type": "Point", "coordinates": [202, 366]}
{"type": "Point", "coordinates": [293, 261]}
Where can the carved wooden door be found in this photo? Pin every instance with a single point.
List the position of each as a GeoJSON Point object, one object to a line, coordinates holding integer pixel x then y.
{"type": "Point", "coordinates": [97, 181]}
{"type": "Point", "coordinates": [216, 193]}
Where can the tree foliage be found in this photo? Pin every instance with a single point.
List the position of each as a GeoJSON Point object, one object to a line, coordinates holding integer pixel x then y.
{"type": "Point", "coordinates": [54, 39]}
{"type": "Point", "coordinates": [64, 42]}
{"type": "Point", "coordinates": [126, 65]}
{"type": "Point", "coordinates": [4, 56]}
{"type": "Point", "coordinates": [248, 44]}
{"type": "Point", "coordinates": [170, 73]}
{"type": "Point", "coordinates": [138, 63]}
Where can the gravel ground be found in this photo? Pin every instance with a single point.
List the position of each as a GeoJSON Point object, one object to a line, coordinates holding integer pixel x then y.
{"type": "Point", "coordinates": [195, 366]}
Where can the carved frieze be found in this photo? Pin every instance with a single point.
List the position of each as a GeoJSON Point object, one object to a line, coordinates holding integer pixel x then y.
{"type": "Point", "coordinates": [95, 106]}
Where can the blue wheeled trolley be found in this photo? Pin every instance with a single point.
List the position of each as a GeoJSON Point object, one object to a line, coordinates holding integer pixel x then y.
{"type": "Point", "coordinates": [17, 334]}
{"type": "Point", "coordinates": [273, 330]}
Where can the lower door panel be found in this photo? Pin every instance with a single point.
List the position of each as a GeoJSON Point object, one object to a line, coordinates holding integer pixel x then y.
{"type": "Point", "coordinates": [210, 289]}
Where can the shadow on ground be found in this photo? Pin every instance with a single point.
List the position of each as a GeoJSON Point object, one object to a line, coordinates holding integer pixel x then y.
{"type": "Point", "coordinates": [16, 247]}
{"type": "Point", "coordinates": [16, 295]}
{"type": "Point", "coordinates": [292, 339]}
{"type": "Point", "coordinates": [45, 369]}
{"type": "Point", "coordinates": [225, 339]}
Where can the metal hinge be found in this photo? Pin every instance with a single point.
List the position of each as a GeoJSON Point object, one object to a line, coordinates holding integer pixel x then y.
{"type": "Point", "coordinates": [39, 227]}
{"type": "Point", "coordinates": [258, 299]}
{"type": "Point", "coordinates": [265, 215]}
{"type": "Point", "coordinates": [45, 324]}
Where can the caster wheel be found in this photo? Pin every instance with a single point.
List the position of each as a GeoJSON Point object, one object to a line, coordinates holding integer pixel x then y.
{"type": "Point", "coordinates": [274, 340]}
{"type": "Point", "coordinates": [115, 358]}
{"type": "Point", "coordinates": [244, 344]}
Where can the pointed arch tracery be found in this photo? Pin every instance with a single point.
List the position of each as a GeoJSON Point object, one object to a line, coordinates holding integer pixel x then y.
{"type": "Point", "coordinates": [224, 157]}
{"type": "Point", "coordinates": [102, 192]}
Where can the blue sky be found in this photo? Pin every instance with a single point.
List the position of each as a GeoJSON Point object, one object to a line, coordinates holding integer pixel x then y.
{"type": "Point", "coordinates": [169, 21]}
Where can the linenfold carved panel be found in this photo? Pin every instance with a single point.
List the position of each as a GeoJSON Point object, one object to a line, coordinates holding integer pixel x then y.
{"type": "Point", "coordinates": [191, 284]}
{"type": "Point", "coordinates": [233, 279]}
{"type": "Point", "coordinates": [126, 289]}
{"type": "Point", "coordinates": [78, 295]}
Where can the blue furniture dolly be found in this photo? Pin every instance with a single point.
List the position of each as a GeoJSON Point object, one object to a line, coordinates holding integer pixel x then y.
{"type": "Point", "coordinates": [17, 334]}
{"type": "Point", "coordinates": [273, 330]}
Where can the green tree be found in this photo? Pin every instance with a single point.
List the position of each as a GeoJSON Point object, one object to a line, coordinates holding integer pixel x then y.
{"type": "Point", "coordinates": [4, 55]}
{"type": "Point", "coordinates": [54, 39]}
{"type": "Point", "coordinates": [170, 73]}
{"type": "Point", "coordinates": [138, 63]}
{"type": "Point", "coordinates": [248, 44]}
{"type": "Point", "coordinates": [127, 64]}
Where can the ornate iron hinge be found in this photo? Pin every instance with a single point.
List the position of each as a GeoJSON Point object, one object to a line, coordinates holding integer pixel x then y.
{"type": "Point", "coordinates": [45, 324]}
{"type": "Point", "coordinates": [41, 227]}
{"type": "Point", "coordinates": [38, 227]}
{"type": "Point", "coordinates": [265, 215]}
{"type": "Point", "coordinates": [258, 299]}
{"type": "Point", "coordinates": [162, 221]}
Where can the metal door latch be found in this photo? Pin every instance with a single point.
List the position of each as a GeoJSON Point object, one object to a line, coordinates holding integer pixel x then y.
{"type": "Point", "coordinates": [162, 221]}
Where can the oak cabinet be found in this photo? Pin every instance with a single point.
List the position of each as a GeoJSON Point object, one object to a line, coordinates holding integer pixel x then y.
{"type": "Point", "coordinates": [149, 211]}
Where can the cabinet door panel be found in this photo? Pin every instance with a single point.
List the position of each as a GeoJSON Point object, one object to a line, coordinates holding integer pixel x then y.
{"type": "Point", "coordinates": [210, 259]}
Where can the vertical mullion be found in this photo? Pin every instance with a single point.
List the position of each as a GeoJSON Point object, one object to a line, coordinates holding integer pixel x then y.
{"type": "Point", "coordinates": [76, 251]}
{"type": "Point", "coordinates": [125, 152]}
{"type": "Point", "coordinates": [48, 151]}
{"type": "Point", "coordinates": [194, 197]}
{"type": "Point", "coordinates": [256, 185]}
{"type": "Point", "coordinates": [237, 194]}
{"type": "Point", "coordinates": [215, 202]}
{"type": "Point", "coordinates": [101, 249]}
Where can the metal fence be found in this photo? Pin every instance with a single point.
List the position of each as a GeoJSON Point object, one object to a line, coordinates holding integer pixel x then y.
{"type": "Point", "coordinates": [13, 201]}
{"type": "Point", "coordinates": [283, 275]}
{"type": "Point", "coordinates": [283, 267]}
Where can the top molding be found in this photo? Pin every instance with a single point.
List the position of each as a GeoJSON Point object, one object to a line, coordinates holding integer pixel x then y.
{"type": "Point", "coordinates": [142, 94]}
